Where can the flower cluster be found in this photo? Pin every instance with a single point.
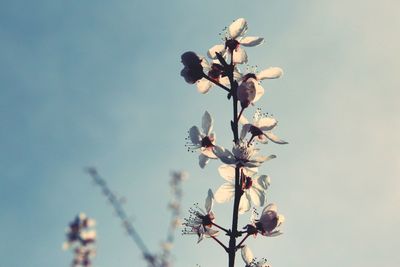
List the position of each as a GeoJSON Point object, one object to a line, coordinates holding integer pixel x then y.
{"type": "Point", "coordinates": [81, 238]}
{"type": "Point", "coordinates": [244, 184]}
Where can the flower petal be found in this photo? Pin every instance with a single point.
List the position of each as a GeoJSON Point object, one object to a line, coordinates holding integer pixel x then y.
{"type": "Point", "coordinates": [225, 81]}
{"type": "Point", "coordinates": [203, 160]}
{"type": "Point", "coordinates": [227, 172]}
{"type": "Point", "coordinates": [239, 56]}
{"type": "Point", "coordinates": [207, 123]}
{"type": "Point", "coordinates": [216, 49]}
{"type": "Point", "coordinates": [195, 136]}
{"type": "Point", "coordinates": [203, 85]}
{"type": "Point", "coordinates": [247, 255]}
{"type": "Point", "coordinates": [224, 193]}
{"type": "Point", "coordinates": [270, 73]}
{"type": "Point", "coordinates": [251, 41]}
{"type": "Point", "coordinates": [275, 138]}
{"type": "Point", "coordinates": [270, 207]}
{"type": "Point", "coordinates": [245, 130]}
{"type": "Point", "coordinates": [208, 153]}
{"type": "Point", "coordinates": [259, 91]}
{"type": "Point", "coordinates": [264, 181]}
{"type": "Point", "coordinates": [209, 201]}
{"type": "Point", "coordinates": [257, 196]}
{"type": "Point", "coordinates": [237, 28]}
{"type": "Point", "coordinates": [243, 120]}
{"type": "Point", "coordinates": [244, 204]}
{"type": "Point", "coordinates": [224, 155]}
{"type": "Point", "coordinates": [266, 124]}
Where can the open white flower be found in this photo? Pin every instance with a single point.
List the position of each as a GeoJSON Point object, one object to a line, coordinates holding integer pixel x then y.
{"type": "Point", "coordinates": [234, 41]}
{"type": "Point", "coordinates": [250, 89]}
{"type": "Point", "coordinates": [249, 92]}
{"type": "Point", "coordinates": [254, 187]}
{"type": "Point", "coordinates": [269, 221]}
{"type": "Point", "coordinates": [203, 141]}
{"type": "Point", "coordinates": [243, 154]}
{"type": "Point", "coordinates": [200, 221]}
{"type": "Point", "coordinates": [247, 255]}
{"type": "Point", "coordinates": [250, 260]}
{"type": "Point", "coordinates": [260, 128]}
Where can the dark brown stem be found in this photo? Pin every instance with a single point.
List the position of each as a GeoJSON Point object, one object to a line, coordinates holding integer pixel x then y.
{"type": "Point", "coordinates": [220, 227]}
{"type": "Point", "coordinates": [241, 242]}
{"type": "Point", "coordinates": [238, 190]}
{"type": "Point", "coordinates": [219, 242]}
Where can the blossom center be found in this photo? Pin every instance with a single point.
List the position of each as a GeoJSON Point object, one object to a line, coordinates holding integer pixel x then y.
{"type": "Point", "coordinates": [206, 142]}
{"type": "Point", "coordinates": [247, 182]}
{"type": "Point", "coordinates": [231, 44]}
{"type": "Point", "coordinates": [215, 72]}
{"type": "Point", "coordinates": [248, 76]}
{"type": "Point", "coordinates": [255, 131]}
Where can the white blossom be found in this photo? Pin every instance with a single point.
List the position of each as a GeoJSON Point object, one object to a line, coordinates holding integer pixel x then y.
{"type": "Point", "coordinates": [254, 187]}
{"type": "Point", "coordinates": [242, 154]}
{"type": "Point", "coordinates": [200, 221]}
{"type": "Point", "coordinates": [269, 221]}
{"type": "Point", "coordinates": [260, 128]}
{"type": "Point", "coordinates": [203, 141]}
{"type": "Point", "coordinates": [234, 41]}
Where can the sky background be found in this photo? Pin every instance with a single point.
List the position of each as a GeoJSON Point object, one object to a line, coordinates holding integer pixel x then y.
{"type": "Point", "coordinates": [96, 83]}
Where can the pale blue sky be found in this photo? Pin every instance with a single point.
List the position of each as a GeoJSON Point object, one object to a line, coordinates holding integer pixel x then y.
{"type": "Point", "coordinates": [97, 83]}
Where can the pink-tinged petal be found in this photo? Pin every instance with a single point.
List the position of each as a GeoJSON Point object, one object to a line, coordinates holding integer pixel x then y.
{"type": "Point", "coordinates": [251, 41]}
{"type": "Point", "coordinates": [243, 120]}
{"type": "Point", "coordinates": [203, 85]}
{"type": "Point", "coordinates": [257, 196]}
{"type": "Point", "coordinates": [195, 136]}
{"type": "Point", "coordinates": [207, 123]}
{"type": "Point", "coordinates": [204, 63]}
{"type": "Point", "coordinates": [264, 181]}
{"type": "Point", "coordinates": [225, 81]}
{"type": "Point", "coordinates": [259, 91]}
{"type": "Point", "coordinates": [270, 73]}
{"type": "Point", "coordinates": [246, 92]}
{"type": "Point", "coordinates": [227, 172]}
{"type": "Point", "coordinates": [224, 193]}
{"type": "Point", "coordinates": [211, 232]}
{"type": "Point", "coordinates": [216, 49]}
{"type": "Point", "coordinates": [247, 255]}
{"type": "Point", "coordinates": [224, 155]}
{"type": "Point", "coordinates": [275, 138]}
{"type": "Point", "coordinates": [244, 131]}
{"type": "Point", "coordinates": [203, 160]}
{"type": "Point", "coordinates": [208, 153]}
{"type": "Point", "coordinates": [244, 204]}
{"type": "Point", "coordinates": [266, 124]}
{"type": "Point", "coordinates": [209, 201]}
{"type": "Point", "coordinates": [264, 158]}
{"type": "Point", "coordinates": [237, 28]}
{"type": "Point", "coordinates": [239, 56]}
{"type": "Point", "coordinates": [237, 75]}
{"type": "Point", "coordinates": [270, 207]}
{"type": "Point", "coordinates": [281, 219]}
{"type": "Point", "coordinates": [250, 171]}
{"type": "Point", "coordinates": [262, 139]}
{"type": "Point", "coordinates": [275, 233]}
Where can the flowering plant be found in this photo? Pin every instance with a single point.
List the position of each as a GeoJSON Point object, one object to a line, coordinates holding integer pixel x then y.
{"type": "Point", "coordinates": [244, 185]}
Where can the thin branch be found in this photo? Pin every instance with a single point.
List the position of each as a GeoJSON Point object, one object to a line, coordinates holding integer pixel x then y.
{"type": "Point", "coordinates": [220, 227]}
{"type": "Point", "coordinates": [241, 242]}
{"type": "Point", "coordinates": [112, 198]}
{"type": "Point", "coordinates": [219, 242]}
{"type": "Point", "coordinates": [216, 83]}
